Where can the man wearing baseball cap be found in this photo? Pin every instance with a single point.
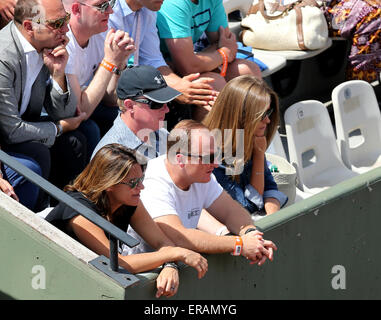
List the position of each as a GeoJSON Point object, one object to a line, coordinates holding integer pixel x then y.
{"type": "Point", "coordinates": [143, 95]}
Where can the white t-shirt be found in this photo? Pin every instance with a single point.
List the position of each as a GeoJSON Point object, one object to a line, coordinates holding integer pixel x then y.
{"type": "Point", "coordinates": [161, 197]}
{"type": "Point", "coordinates": [83, 62]}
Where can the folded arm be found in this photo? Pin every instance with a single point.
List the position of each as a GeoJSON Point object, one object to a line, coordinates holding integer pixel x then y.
{"type": "Point", "coordinates": [186, 61]}
{"type": "Point", "coordinates": [118, 46]}
{"type": "Point", "coordinates": [195, 90]}
{"type": "Point", "coordinates": [15, 130]}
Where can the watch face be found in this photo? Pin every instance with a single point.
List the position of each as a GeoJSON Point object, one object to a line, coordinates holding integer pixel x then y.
{"type": "Point", "coordinates": [116, 71]}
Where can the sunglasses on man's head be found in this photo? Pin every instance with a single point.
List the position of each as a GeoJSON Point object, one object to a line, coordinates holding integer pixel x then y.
{"type": "Point", "coordinates": [267, 113]}
{"type": "Point", "coordinates": [56, 23]}
{"type": "Point", "coordinates": [101, 7]}
{"type": "Point", "coordinates": [152, 104]}
{"type": "Point", "coordinates": [133, 183]}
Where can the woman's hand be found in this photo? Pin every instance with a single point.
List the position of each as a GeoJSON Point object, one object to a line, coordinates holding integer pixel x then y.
{"type": "Point", "coordinates": [167, 282]}
{"type": "Point", "coordinates": [8, 189]}
{"type": "Point", "coordinates": [260, 145]}
{"type": "Point", "coordinates": [195, 260]}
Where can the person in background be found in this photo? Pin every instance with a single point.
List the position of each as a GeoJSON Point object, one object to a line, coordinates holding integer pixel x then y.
{"type": "Point", "coordinates": [16, 186]}
{"type": "Point", "coordinates": [143, 95]}
{"type": "Point", "coordinates": [181, 23]}
{"type": "Point", "coordinates": [247, 105]}
{"type": "Point", "coordinates": [358, 21]}
{"type": "Point", "coordinates": [33, 58]}
{"type": "Point", "coordinates": [7, 9]}
{"type": "Point", "coordinates": [96, 60]}
{"type": "Point", "coordinates": [110, 185]}
{"type": "Point", "coordinates": [133, 15]}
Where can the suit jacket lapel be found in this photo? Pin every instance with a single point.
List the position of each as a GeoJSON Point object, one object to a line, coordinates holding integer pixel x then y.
{"type": "Point", "coordinates": [22, 61]}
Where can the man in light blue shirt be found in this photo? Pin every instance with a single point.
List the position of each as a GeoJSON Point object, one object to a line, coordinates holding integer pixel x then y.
{"type": "Point", "coordinates": [143, 95]}
{"type": "Point", "coordinates": [125, 17]}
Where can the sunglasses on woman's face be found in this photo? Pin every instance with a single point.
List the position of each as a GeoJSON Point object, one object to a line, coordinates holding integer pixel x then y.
{"type": "Point", "coordinates": [152, 104]}
{"type": "Point", "coordinates": [134, 182]}
{"type": "Point", "coordinates": [267, 113]}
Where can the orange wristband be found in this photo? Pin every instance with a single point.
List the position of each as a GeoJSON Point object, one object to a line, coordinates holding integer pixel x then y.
{"type": "Point", "coordinates": [238, 246]}
{"type": "Point", "coordinates": [110, 67]}
{"type": "Point", "coordinates": [224, 62]}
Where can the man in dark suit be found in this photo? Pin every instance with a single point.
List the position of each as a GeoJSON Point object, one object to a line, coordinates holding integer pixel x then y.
{"type": "Point", "coordinates": [37, 110]}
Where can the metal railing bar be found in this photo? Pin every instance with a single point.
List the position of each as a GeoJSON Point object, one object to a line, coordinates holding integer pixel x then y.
{"type": "Point", "coordinates": [114, 232]}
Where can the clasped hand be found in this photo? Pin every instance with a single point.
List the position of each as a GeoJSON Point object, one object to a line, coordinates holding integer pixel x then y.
{"type": "Point", "coordinates": [256, 249]}
{"type": "Point", "coordinates": [118, 47]}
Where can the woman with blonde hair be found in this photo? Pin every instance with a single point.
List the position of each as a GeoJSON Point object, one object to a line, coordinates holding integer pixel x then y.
{"type": "Point", "coordinates": [110, 185]}
{"type": "Point", "coordinates": [248, 107]}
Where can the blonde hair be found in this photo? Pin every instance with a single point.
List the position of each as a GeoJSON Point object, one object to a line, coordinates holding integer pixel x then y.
{"type": "Point", "coordinates": [240, 105]}
{"type": "Point", "coordinates": [110, 165]}
{"type": "Point", "coordinates": [121, 105]}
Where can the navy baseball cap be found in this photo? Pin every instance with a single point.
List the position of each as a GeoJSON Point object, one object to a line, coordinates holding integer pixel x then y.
{"type": "Point", "coordinates": [145, 81]}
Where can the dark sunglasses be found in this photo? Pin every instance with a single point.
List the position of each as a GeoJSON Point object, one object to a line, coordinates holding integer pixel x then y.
{"type": "Point", "coordinates": [267, 113]}
{"type": "Point", "coordinates": [152, 104]}
{"type": "Point", "coordinates": [204, 159]}
{"type": "Point", "coordinates": [101, 7]}
{"type": "Point", "coordinates": [133, 183]}
{"type": "Point", "coordinates": [57, 23]}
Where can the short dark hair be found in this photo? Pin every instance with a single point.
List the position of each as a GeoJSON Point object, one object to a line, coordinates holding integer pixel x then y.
{"type": "Point", "coordinates": [185, 144]}
{"type": "Point", "coordinates": [25, 9]}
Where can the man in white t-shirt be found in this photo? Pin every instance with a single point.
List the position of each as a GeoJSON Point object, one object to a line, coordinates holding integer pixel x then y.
{"type": "Point", "coordinates": [96, 59]}
{"type": "Point", "coordinates": [180, 184]}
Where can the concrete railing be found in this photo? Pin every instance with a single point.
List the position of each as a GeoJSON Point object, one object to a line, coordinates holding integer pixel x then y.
{"type": "Point", "coordinates": [328, 248]}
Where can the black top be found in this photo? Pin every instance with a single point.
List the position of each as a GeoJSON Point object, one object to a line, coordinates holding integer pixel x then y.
{"type": "Point", "coordinates": [61, 214]}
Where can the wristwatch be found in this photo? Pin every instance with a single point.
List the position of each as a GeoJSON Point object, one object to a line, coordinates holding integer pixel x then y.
{"type": "Point", "coordinates": [59, 129]}
{"type": "Point", "coordinates": [171, 265]}
{"type": "Point", "coordinates": [250, 230]}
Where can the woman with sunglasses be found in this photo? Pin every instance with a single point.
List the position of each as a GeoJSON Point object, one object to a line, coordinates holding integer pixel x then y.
{"type": "Point", "coordinates": [110, 185]}
{"type": "Point", "coordinates": [247, 103]}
